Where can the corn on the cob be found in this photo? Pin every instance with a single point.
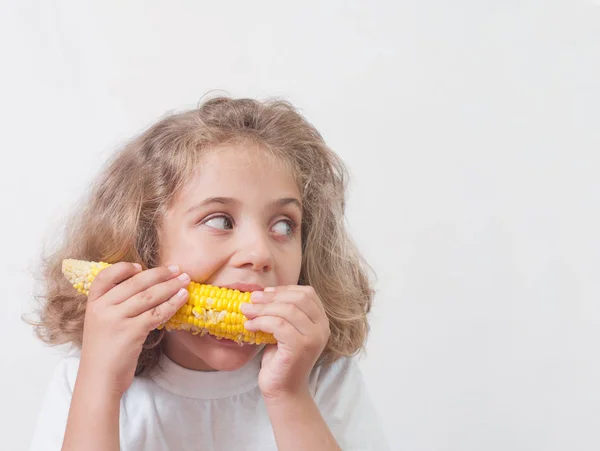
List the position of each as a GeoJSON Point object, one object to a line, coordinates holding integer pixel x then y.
{"type": "Point", "coordinates": [209, 309]}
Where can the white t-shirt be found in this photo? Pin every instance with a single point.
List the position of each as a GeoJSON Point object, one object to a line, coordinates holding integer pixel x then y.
{"type": "Point", "coordinates": [180, 409]}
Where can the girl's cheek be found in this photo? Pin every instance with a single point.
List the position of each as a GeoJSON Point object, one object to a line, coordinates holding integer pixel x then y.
{"type": "Point", "coordinates": [206, 260]}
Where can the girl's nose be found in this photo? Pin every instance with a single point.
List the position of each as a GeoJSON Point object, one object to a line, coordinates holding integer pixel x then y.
{"type": "Point", "coordinates": [254, 252]}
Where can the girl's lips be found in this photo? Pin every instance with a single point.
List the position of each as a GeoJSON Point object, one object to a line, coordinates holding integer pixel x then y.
{"type": "Point", "coordinates": [244, 286]}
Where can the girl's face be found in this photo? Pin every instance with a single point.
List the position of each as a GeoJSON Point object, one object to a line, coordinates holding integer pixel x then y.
{"type": "Point", "coordinates": [237, 222]}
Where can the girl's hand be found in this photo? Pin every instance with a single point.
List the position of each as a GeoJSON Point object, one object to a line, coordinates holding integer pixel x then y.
{"type": "Point", "coordinates": [296, 317]}
{"type": "Point", "coordinates": [124, 305]}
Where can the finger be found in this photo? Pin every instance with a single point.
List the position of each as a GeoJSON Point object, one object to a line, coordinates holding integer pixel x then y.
{"type": "Point", "coordinates": [140, 282]}
{"type": "Point", "coordinates": [110, 277]}
{"type": "Point", "coordinates": [271, 293]}
{"type": "Point", "coordinates": [162, 312]}
{"type": "Point", "coordinates": [297, 298]}
{"type": "Point", "coordinates": [281, 329]}
{"type": "Point", "coordinates": [262, 297]}
{"type": "Point", "coordinates": [311, 292]}
{"type": "Point", "coordinates": [154, 296]}
{"type": "Point", "coordinates": [289, 312]}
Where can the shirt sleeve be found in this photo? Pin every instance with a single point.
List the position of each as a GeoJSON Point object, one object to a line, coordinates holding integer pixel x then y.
{"type": "Point", "coordinates": [343, 399]}
{"type": "Point", "coordinates": [52, 417]}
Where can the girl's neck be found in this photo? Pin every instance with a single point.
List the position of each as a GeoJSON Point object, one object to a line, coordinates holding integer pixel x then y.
{"type": "Point", "coordinates": [183, 356]}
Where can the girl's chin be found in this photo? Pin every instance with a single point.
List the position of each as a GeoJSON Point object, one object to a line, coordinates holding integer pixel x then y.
{"type": "Point", "coordinates": [220, 354]}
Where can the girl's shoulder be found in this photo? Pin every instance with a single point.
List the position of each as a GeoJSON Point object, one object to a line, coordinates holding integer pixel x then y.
{"type": "Point", "coordinates": [339, 382]}
{"type": "Point", "coordinates": [344, 399]}
{"type": "Point", "coordinates": [343, 370]}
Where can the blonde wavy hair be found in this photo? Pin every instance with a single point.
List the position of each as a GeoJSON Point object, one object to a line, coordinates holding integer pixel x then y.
{"type": "Point", "coordinates": [120, 217]}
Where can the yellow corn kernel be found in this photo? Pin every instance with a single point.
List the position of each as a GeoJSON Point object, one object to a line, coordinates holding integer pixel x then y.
{"type": "Point", "coordinates": [209, 309]}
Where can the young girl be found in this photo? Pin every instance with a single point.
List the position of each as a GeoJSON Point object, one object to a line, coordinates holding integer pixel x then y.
{"type": "Point", "coordinates": [237, 193]}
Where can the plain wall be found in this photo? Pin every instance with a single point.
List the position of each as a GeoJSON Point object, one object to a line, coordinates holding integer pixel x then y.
{"type": "Point", "coordinates": [470, 129]}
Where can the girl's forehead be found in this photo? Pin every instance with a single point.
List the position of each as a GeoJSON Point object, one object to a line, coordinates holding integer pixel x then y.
{"type": "Point", "coordinates": [239, 171]}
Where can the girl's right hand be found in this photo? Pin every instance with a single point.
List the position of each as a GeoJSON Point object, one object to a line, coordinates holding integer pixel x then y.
{"type": "Point", "coordinates": [124, 305]}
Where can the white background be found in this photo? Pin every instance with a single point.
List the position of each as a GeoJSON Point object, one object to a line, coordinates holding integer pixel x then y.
{"type": "Point", "coordinates": [471, 130]}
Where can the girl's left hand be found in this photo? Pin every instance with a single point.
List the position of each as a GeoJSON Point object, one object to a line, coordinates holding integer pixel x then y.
{"type": "Point", "coordinates": [296, 317]}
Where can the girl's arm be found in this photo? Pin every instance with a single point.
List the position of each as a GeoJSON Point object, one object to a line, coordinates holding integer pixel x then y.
{"type": "Point", "coordinates": [297, 319]}
{"type": "Point", "coordinates": [93, 421]}
{"type": "Point", "coordinates": [124, 304]}
{"type": "Point", "coordinates": [298, 424]}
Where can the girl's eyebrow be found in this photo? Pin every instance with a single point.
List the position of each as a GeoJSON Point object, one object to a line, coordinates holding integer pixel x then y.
{"type": "Point", "coordinates": [286, 201]}
{"type": "Point", "coordinates": [212, 200]}
{"type": "Point", "coordinates": [232, 201]}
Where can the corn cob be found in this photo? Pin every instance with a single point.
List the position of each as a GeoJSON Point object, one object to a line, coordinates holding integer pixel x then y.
{"type": "Point", "coordinates": [209, 309]}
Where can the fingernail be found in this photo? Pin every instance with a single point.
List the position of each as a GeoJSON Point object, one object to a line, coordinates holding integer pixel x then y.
{"type": "Point", "coordinates": [138, 266]}
{"type": "Point", "coordinates": [174, 269]}
{"type": "Point", "coordinates": [246, 307]}
{"type": "Point", "coordinates": [257, 295]}
{"type": "Point", "coordinates": [184, 277]}
{"type": "Point", "coordinates": [269, 289]}
{"type": "Point", "coordinates": [182, 292]}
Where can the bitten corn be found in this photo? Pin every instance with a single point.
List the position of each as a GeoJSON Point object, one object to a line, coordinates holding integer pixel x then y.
{"type": "Point", "coordinates": [209, 309]}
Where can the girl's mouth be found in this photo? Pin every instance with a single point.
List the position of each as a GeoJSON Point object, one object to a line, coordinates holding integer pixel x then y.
{"type": "Point", "coordinates": [241, 286]}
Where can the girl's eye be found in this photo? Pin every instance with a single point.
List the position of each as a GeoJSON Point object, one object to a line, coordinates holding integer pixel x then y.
{"type": "Point", "coordinates": [283, 228]}
{"type": "Point", "coordinates": [219, 222]}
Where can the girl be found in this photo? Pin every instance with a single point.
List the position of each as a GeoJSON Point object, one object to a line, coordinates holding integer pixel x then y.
{"type": "Point", "coordinates": [237, 193]}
